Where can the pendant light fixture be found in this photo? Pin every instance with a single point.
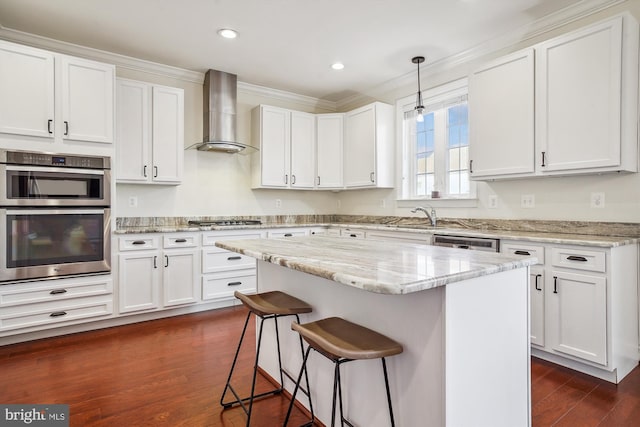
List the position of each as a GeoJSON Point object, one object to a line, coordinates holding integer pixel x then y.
{"type": "Point", "coordinates": [419, 107]}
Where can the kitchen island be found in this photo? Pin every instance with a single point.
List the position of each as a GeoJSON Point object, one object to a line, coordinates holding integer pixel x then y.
{"type": "Point", "coordinates": [461, 316]}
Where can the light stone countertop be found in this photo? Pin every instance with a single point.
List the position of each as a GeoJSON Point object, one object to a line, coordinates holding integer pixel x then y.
{"type": "Point", "coordinates": [377, 266]}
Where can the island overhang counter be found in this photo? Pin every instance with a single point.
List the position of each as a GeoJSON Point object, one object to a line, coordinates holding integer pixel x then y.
{"type": "Point", "coordinates": [462, 317]}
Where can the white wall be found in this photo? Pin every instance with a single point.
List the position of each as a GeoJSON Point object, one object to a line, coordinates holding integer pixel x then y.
{"type": "Point", "coordinates": [219, 184]}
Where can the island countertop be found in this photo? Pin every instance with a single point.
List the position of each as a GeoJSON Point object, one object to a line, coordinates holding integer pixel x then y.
{"type": "Point", "coordinates": [377, 266]}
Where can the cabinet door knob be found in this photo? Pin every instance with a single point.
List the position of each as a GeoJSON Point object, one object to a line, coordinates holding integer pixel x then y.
{"type": "Point", "coordinates": [286, 179]}
{"type": "Point", "coordinates": [66, 128]}
{"type": "Point", "coordinates": [181, 240]}
{"type": "Point", "coordinates": [58, 292]}
{"type": "Point", "coordinates": [155, 262]}
{"type": "Point", "coordinates": [555, 284]}
{"type": "Point", "coordinates": [293, 179]}
{"type": "Point", "coordinates": [138, 242]}
{"type": "Point", "coordinates": [234, 283]}
{"type": "Point", "coordinates": [470, 166]}
{"type": "Point", "coordinates": [288, 235]}
{"type": "Point", "coordinates": [58, 314]}
{"type": "Point", "coordinates": [576, 258]}
{"type": "Point", "coordinates": [538, 276]}
{"type": "Point", "coordinates": [155, 171]}
{"type": "Point", "coordinates": [372, 176]}
{"type": "Point", "coordinates": [522, 253]}
{"type": "Point", "coordinates": [144, 171]}
{"type": "Point", "coordinates": [49, 123]}
{"type": "Point", "coordinates": [166, 261]}
{"type": "Point", "coordinates": [234, 258]}
{"type": "Point", "coordinates": [544, 155]}
{"type": "Point", "coordinates": [318, 179]}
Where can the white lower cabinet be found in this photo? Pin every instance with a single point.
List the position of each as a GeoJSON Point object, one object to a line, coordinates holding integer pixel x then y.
{"type": "Point", "coordinates": [41, 305]}
{"type": "Point", "coordinates": [583, 306]}
{"type": "Point", "coordinates": [148, 272]}
{"type": "Point", "coordinates": [224, 272]}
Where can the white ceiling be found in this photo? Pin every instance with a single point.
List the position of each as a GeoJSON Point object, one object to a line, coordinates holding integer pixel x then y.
{"type": "Point", "coordinates": [283, 44]}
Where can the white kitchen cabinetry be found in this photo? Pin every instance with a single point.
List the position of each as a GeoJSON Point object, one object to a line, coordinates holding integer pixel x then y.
{"type": "Point", "coordinates": [501, 118]}
{"type": "Point", "coordinates": [57, 97]}
{"type": "Point", "coordinates": [369, 147]}
{"type": "Point", "coordinates": [329, 149]}
{"type": "Point", "coordinates": [224, 272]}
{"type": "Point", "coordinates": [400, 236]}
{"type": "Point", "coordinates": [536, 286]}
{"type": "Point", "coordinates": [150, 133]}
{"type": "Point", "coordinates": [589, 307]}
{"type": "Point", "coordinates": [26, 307]}
{"type": "Point", "coordinates": [585, 86]}
{"type": "Point", "coordinates": [286, 139]}
{"type": "Point", "coordinates": [146, 272]}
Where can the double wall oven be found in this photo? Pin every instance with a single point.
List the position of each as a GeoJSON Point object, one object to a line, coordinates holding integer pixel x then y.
{"type": "Point", "coordinates": [55, 217]}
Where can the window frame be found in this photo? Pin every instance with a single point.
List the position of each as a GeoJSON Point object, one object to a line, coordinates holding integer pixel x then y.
{"type": "Point", "coordinates": [406, 149]}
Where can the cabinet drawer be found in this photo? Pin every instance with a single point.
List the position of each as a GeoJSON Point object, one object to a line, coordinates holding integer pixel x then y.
{"type": "Point", "coordinates": [524, 250]}
{"type": "Point", "coordinates": [220, 286]}
{"type": "Point", "coordinates": [52, 290]}
{"type": "Point", "coordinates": [54, 312]}
{"type": "Point", "coordinates": [138, 243]}
{"type": "Point", "coordinates": [579, 259]}
{"type": "Point", "coordinates": [179, 241]}
{"type": "Point", "coordinates": [210, 239]}
{"type": "Point", "coordinates": [215, 260]}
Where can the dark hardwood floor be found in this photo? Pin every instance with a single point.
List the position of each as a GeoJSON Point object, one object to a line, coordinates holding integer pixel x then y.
{"type": "Point", "coordinates": [170, 372]}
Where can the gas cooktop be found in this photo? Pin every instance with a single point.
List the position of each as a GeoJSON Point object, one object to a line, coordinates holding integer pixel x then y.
{"type": "Point", "coordinates": [222, 222]}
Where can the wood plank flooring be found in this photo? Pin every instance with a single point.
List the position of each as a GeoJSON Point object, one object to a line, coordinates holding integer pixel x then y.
{"type": "Point", "coordinates": [170, 372]}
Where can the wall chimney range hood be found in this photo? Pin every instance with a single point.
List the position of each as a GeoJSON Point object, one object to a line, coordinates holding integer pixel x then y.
{"type": "Point", "coordinates": [219, 121]}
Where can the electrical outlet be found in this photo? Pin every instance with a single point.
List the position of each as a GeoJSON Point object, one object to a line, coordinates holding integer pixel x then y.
{"type": "Point", "coordinates": [383, 203]}
{"type": "Point", "coordinates": [493, 201]}
{"type": "Point", "coordinates": [597, 200]}
{"type": "Point", "coordinates": [338, 204]}
{"type": "Point", "coordinates": [528, 201]}
{"type": "Point", "coordinates": [133, 202]}
{"type": "Point", "coordinates": [278, 203]}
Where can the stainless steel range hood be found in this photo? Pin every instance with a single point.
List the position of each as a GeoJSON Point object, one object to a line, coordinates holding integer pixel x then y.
{"type": "Point", "coordinates": [219, 105]}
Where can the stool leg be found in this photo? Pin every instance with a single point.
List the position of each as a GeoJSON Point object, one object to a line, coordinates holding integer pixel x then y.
{"type": "Point", "coordinates": [255, 373]}
{"type": "Point", "coordinates": [233, 365]}
{"type": "Point", "coordinates": [386, 383]}
{"type": "Point", "coordinates": [295, 390]}
{"type": "Point", "coordinates": [336, 377]}
{"type": "Point", "coordinates": [306, 378]}
{"type": "Point", "coordinates": [275, 320]}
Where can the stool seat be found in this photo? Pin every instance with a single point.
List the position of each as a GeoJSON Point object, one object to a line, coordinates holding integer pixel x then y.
{"type": "Point", "coordinates": [338, 338]}
{"type": "Point", "coordinates": [274, 302]}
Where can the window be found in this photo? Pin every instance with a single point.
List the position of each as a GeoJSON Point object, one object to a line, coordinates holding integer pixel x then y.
{"type": "Point", "coordinates": [435, 151]}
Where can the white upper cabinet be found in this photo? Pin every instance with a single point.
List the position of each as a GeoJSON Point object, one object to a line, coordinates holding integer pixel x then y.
{"type": "Point", "coordinates": [271, 132]}
{"type": "Point", "coordinates": [287, 141]}
{"type": "Point", "coordinates": [579, 90]}
{"type": "Point", "coordinates": [502, 133]}
{"type": "Point", "coordinates": [585, 86]}
{"type": "Point", "coordinates": [368, 147]}
{"type": "Point", "coordinates": [150, 133]}
{"type": "Point", "coordinates": [303, 150]}
{"type": "Point", "coordinates": [329, 146]}
{"type": "Point", "coordinates": [26, 90]}
{"type": "Point", "coordinates": [58, 98]}
{"type": "Point", "coordinates": [87, 100]}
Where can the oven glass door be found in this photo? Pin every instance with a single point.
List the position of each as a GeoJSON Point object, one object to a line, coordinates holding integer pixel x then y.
{"type": "Point", "coordinates": [48, 243]}
{"type": "Point", "coordinates": [42, 186]}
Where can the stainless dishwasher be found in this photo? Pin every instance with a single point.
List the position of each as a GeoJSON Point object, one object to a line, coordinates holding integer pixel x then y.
{"type": "Point", "coordinates": [473, 243]}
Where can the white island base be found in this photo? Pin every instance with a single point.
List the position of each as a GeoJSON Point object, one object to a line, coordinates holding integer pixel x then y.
{"type": "Point", "coordinates": [466, 350]}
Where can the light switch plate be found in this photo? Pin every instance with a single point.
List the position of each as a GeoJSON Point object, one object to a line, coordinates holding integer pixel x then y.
{"type": "Point", "coordinates": [493, 201]}
{"type": "Point", "coordinates": [528, 201]}
{"type": "Point", "coordinates": [597, 200]}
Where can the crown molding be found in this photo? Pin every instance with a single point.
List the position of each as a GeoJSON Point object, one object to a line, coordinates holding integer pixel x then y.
{"type": "Point", "coordinates": [508, 40]}
{"type": "Point", "coordinates": [283, 95]}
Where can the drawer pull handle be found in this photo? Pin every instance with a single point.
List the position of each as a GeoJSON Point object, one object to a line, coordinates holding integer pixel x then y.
{"type": "Point", "coordinates": [181, 240]}
{"type": "Point", "coordinates": [234, 283]}
{"type": "Point", "coordinates": [155, 262]}
{"type": "Point", "coordinates": [58, 314]}
{"type": "Point", "coordinates": [234, 258]}
{"type": "Point", "coordinates": [353, 235]}
{"type": "Point", "coordinates": [138, 242]}
{"type": "Point", "coordinates": [522, 253]}
{"type": "Point", "coordinates": [288, 235]}
{"type": "Point", "coordinates": [66, 128]}
{"type": "Point", "coordinates": [166, 262]}
{"type": "Point", "coordinates": [537, 287]}
{"type": "Point", "coordinates": [576, 258]}
{"type": "Point", "coordinates": [58, 291]}
{"type": "Point", "coordinates": [49, 122]}
{"type": "Point", "coordinates": [555, 284]}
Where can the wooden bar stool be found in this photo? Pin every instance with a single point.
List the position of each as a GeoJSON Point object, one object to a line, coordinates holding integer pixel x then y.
{"type": "Point", "coordinates": [266, 305]}
{"type": "Point", "coordinates": [342, 341]}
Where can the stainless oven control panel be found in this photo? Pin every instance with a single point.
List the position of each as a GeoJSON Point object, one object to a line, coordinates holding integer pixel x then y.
{"type": "Point", "coordinates": [59, 160]}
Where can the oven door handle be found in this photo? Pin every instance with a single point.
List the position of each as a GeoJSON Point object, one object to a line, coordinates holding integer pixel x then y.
{"type": "Point", "coordinates": [55, 170]}
{"type": "Point", "coordinates": [56, 211]}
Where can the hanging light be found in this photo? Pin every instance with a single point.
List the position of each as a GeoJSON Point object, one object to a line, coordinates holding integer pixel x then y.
{"type": "Point", "coordinates": [419, 107]}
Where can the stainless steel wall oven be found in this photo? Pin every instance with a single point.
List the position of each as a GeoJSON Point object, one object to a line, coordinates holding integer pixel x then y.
{"type": "Point", "coordinates": [55, 215]}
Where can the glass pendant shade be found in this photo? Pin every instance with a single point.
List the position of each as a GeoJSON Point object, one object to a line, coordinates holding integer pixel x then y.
{"type": "Point", "coordinates": [419, 108]}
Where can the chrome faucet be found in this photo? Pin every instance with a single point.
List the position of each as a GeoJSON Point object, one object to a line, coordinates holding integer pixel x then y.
{"type": "Point", "coordinates": [431, 216]}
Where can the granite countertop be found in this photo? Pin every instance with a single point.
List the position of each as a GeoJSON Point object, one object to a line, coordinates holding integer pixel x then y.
{"type": "Point", "coordinates": [605, 241]}
{"type": "Point", "coordinates": [377, 266]}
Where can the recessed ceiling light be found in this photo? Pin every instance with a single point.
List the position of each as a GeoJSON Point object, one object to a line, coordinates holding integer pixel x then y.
{"type": "Point", "coordinates": [337, 66]}
{"type": "Point", "coordinates": [228, 33]}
